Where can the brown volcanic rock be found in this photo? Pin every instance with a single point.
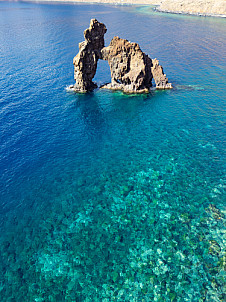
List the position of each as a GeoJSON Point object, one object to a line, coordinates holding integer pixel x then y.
{"type": "Point", "coordinates": [95, 34]}
{"type": "Point", "coordinates": [160, 78]}
{"type": "Point", "coordinates": [85, 62]}
{"type": "Point", "coordinates": [130, 67]}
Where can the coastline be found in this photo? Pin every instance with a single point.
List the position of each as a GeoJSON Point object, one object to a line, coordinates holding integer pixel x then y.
{"type": "Point", "coordinates": [189, 13]}
{"type": "Point", "coordinates": [116, 2]}
{"type": "Point", "coordinates": [197, 14]}
{"type": "Point", "coordinates": [211, 8]}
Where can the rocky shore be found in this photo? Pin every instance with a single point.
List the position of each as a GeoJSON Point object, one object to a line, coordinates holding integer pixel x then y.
{"type": "Point", "coordinates": [195, 7]}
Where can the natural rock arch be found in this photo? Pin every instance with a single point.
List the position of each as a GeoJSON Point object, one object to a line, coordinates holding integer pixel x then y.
{"type": "Point", "coordinates": [131, 69]}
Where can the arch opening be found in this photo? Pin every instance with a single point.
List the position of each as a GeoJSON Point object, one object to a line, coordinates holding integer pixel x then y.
{"type": "Point", "coordinates": [103, 73]}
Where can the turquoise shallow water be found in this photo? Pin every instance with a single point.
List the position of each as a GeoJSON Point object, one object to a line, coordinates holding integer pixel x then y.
{"type": "Point", "coordinates": [106, 196]}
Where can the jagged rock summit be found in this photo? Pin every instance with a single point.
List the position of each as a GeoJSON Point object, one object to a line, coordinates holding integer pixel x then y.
{"type": "Point", "coordinates": [131, 69]}
{"type": "Point", "coordinates": [160, 78]}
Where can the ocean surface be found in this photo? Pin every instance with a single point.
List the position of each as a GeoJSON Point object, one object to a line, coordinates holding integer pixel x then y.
{"type": "Point", "coordinates": [106, 196]}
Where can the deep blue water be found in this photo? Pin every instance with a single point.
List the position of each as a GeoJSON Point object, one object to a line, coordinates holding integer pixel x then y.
{"type": "Point", "coordinates": [106, 196]}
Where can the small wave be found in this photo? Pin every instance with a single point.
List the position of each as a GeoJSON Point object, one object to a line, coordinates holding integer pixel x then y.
{"type": "Point", "coordinates": [69, 88]}
{"type": "Point", "coordinates": [189, 87]}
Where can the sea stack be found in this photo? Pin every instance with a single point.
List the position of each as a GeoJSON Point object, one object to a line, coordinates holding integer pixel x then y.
{"type": "Point", "coordinates": [160, 78]}
{"type": "Point", "coordinates": [85, 63]}
{"type": "Point", "coordinates": [130, 67]}
{"type": "Point", "coordinates": [132, 70]}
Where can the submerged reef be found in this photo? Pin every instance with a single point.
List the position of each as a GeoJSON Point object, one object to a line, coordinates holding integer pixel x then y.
{"type": "Point", "coordinates": [131, 69]}
{"type": "Point", "coordinates": [153, 230]}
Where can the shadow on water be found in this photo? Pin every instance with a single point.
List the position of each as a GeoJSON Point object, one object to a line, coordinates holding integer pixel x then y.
{"type": "Point", "coordinates": [97, 105]}
{"type": "Point", "coordinates": [89, 107]}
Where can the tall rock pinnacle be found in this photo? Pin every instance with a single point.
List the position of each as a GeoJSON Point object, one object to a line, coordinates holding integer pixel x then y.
{"type": "Point", "coordinates": [85, 63]}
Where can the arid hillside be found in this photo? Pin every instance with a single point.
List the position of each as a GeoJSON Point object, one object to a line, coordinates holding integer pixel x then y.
{"type": "Point", "coordinates": [204, 7]}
